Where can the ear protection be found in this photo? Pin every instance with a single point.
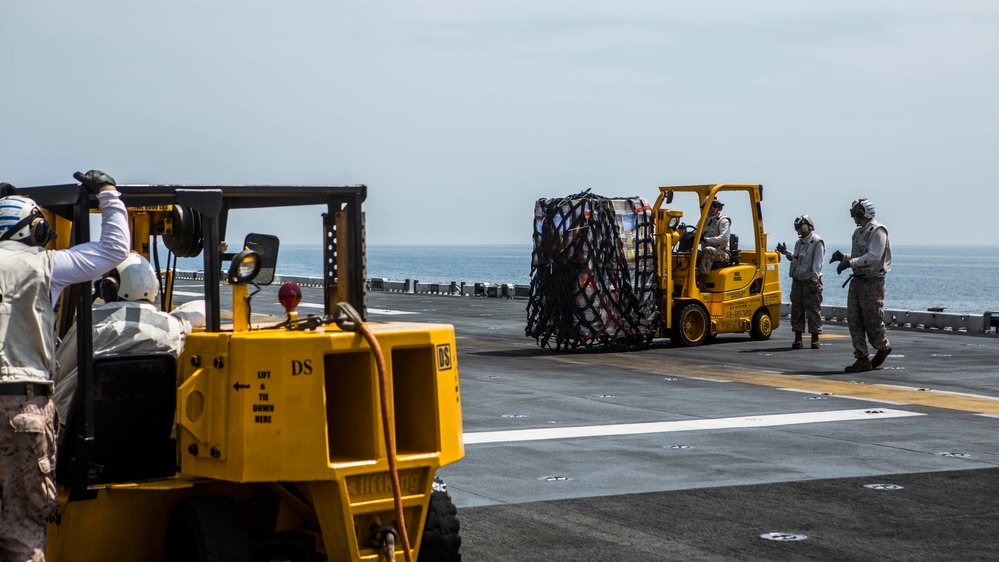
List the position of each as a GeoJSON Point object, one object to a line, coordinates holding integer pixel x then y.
{"type": "Point", "coordinates": [39, 233]}
{"type": "Point", "coordinates": [107, 287]}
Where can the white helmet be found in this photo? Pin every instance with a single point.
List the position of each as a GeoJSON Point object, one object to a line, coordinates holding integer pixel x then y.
{"type": "Point", "coordinates": [133, 280]}
{"type": "Point", "coordinates": [862, 208]}
{"type": "Point", "coordinates": [803, 219]}
{"type": "Point", "coordinates": [18, 221]}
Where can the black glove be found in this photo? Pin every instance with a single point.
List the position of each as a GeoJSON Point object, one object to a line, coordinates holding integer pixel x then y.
{"type": "Point", "coordinates": [837, 256]}
{"type": "Point", "coordinates": [7, 189]}
{"type": "Point", "coordinates": [94, 180]}
{"type": "Point", "coordinates": [845, 264]}
{"type": "Point", "coordinates": [782, 248]}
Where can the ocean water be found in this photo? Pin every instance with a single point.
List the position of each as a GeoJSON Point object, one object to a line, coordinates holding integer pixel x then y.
{"type": "Point", "coordinates": [958, 278]}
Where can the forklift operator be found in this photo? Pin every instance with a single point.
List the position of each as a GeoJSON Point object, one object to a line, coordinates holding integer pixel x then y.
{"type": "Point", "coordinates": [714, 241]}
{"type": "Point", "coordinates": [31, 280]}
{"type": "Point", "coordinates": [127, 322]}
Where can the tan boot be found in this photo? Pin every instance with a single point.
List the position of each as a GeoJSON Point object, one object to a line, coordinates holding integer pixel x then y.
{"type": "Point", "coordinates": [797, 341]}
{"type": "Point", "coordinates": [815, 341]}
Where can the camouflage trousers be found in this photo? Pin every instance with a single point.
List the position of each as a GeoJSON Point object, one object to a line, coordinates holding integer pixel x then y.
{"type": "Point", "coordinates": [806, 304]}
{"type": "Point", "coordinates": [865, 312]}
{"type": "Point", "coordinates": [707, 258]}
{"type": "Point", "coordinates": [27, 475]}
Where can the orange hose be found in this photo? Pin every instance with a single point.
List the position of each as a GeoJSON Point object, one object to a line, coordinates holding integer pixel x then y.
{"type": "Point", "coordinates": [389, 436]}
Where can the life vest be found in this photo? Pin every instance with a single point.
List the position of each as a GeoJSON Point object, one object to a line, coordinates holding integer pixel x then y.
{"type": "Point", "coordinates": [27, 318]}
{"type": "Point", "coordinates": [862, 244]}
{"type": "Point", "coordinates": [712, 228]}
{"type": "Point", "coordinates": [804, 256]}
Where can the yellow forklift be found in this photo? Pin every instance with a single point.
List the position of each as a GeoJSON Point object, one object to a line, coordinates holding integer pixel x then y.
{"type": "Point", "coordinates": [297, 438]}
{"type": "Point", "coordinates": [741, 294]}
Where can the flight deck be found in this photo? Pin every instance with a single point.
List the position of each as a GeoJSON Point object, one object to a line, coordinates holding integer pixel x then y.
{"type": "Point", "coordinates": [734, 450]}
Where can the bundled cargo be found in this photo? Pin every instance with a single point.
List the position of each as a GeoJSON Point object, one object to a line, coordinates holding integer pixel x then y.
{"type": "Point", "coordinates": [593, 273]}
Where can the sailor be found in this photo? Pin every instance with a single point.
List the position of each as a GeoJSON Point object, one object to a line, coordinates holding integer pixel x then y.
{"type": "Point", "coordinates": [714, 241]}
{"type": "Point", "coordinates": [870, 260]}
{"type": "Point", "coordinates": [127, 322]}
{"type": "Point", "coordinates": [806, 280]}
{"type": "Point", "coordinates": [31, 280]}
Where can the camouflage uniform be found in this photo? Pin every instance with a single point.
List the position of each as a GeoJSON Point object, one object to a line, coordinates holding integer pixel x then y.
{"type": "Point", "coordinates": [865, 311]}
{"type": "Point", "coordinates": [806, 283]}
{"type": "Point", "coordinates": [865, 303]}
{"type": "Point", "coordinates": [27, 470]}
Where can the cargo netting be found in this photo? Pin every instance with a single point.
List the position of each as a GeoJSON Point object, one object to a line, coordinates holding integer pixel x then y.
{"type": "Point", "coordinates": [593, 273]}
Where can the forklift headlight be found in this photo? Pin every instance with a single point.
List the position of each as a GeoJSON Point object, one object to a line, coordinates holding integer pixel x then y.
{"type": "Point", "coordinates": [244, 268]}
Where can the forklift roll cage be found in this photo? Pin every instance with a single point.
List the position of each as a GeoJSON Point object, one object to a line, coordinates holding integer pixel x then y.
{"type": "Point", "coordinates": [69, 207]}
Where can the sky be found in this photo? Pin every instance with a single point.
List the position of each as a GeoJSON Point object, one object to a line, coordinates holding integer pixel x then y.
{"type": "Point", "coordinates": [458, 116]}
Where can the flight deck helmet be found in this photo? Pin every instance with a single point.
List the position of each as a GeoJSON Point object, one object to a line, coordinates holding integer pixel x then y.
{"type": "Point", "coordinates": [133, 280]}
{"type": "Point", "coordinates": [862, 209]}
{"type": "Point", "coordinates": [22, 220]}
{"type": "Point", "coordinates": [804, 219]}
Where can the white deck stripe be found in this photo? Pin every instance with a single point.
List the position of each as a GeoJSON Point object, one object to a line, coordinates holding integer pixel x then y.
{"type": "Point", "coordinates": [685, 425]}
{"type": "Point", "coordinates": [387, 312]}
{"type": "Point", "coordinates": [878, 400]}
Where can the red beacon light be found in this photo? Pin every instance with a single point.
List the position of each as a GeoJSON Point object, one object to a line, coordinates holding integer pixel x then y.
{"type": "Point", "coordinates": [289, 295]}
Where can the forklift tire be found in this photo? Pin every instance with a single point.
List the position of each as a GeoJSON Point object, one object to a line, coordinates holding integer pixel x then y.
{"type": "Point", "coordinates": [761, 327]}
{"type": "Point", "coordinates": [690, 325]}
{"type": "Point", "coordinates": [441, 541]}
{"type": "Point", "coordinates": [207, 529]}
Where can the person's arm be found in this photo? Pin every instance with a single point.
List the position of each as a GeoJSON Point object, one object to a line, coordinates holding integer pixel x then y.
{"type": "Point", "coordinates": [875, 250]}
{"type": "Point", "coordinates": [191, 315]}
{"type": "Point", "coordinates": [818, 258]}
{"type": "Point", "coordinates": [85, 262]}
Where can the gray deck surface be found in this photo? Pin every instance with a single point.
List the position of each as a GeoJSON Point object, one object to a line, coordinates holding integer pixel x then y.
{"type": "Point", "coordinates": [923, 427]}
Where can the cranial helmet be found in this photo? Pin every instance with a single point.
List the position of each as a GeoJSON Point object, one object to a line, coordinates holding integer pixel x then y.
{"type": "Point", "coordinates": [803, 219]}
{"type": "Point", "coordinates": [133, 280]}
{"type": "Point", "coordinates": [22, 220]}
{"type": "Point", "coordinates": [862, 209]}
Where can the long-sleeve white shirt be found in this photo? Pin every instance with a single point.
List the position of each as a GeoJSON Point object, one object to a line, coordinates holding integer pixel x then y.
{"type": "Point", "coordinates": [85, 262]}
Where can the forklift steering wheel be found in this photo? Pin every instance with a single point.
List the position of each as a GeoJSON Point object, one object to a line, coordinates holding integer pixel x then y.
{"type": "Point", "coordinates": [689, 231]}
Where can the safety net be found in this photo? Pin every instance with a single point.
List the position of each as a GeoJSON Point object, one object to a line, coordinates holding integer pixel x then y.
{"type": "Point", "coordinates": [592, 273]}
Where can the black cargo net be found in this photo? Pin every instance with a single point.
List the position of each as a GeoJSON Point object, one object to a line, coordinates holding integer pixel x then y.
{"type": "Point", "coordinates": [592, 273]}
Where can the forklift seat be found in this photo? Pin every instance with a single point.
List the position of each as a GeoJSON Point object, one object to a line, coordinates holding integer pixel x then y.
{"type": "Point", "coordinates": [134, 401]}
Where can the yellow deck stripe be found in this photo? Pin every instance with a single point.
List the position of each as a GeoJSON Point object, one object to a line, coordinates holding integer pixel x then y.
{"type": "Point", "coordinates": [932, 398]}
